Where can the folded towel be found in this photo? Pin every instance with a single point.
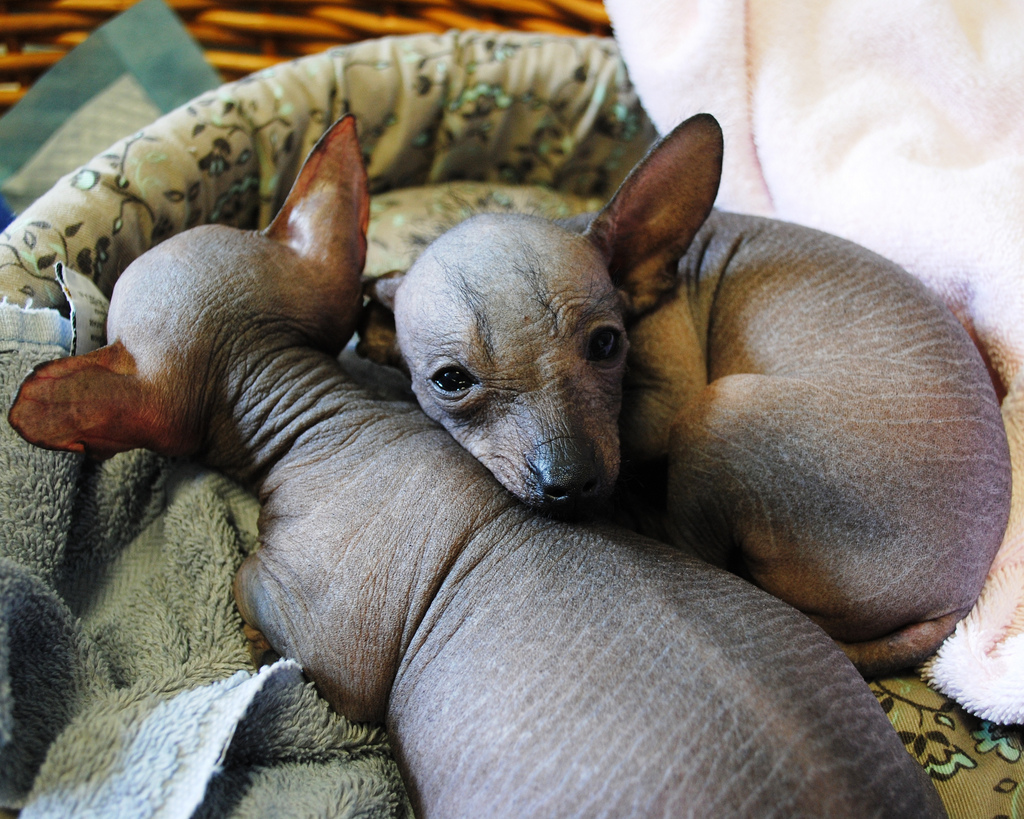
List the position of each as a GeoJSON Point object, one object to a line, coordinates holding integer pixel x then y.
{"type": "Point", "coordinates": [125, 685]}
{"type": "Point", "coordinates": [899, 126]}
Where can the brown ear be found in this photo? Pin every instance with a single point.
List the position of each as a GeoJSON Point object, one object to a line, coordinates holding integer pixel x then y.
{"type": "Point", "coordinates": [324, 221]}
{"type": "Point", "coordinates": [378, 340]}
{"type": "Point", "coordinates": [658, 210]}
{"type": "Point", "coordinates": [328, 207]}
{"type": "Point", "coordinates": [95, 404]}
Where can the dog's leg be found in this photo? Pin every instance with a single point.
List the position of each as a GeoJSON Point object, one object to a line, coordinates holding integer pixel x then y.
{"type": "Point", "coordinates": [808, 491]}
{"type": "Point", "coordinates": [257, 609]}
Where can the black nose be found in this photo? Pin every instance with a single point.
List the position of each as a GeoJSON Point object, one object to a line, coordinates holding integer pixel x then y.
{"type": "Point", "coordinates": [559, 484]}
{"type": "Point", "coordinates": [564, 474]}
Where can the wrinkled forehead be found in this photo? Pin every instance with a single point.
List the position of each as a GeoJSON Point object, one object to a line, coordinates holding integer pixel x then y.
{"type": "Point", "coordinates": [500, 263]}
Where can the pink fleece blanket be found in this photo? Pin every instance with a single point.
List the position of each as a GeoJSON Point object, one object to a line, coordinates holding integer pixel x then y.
{"type": "Point", "coordinates": [899, 125]}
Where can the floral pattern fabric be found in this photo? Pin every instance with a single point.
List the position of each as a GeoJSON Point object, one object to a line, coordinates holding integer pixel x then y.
{"type": "Point", "coordinates": [403, 222]}
{"type": "Point", "coordinates": [977, 767]}
{"type": "Point", "coordinates": [511, 108]}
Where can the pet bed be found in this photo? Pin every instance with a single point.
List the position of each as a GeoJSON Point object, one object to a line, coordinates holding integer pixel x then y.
{"type": "Point", "coordinates": [125, 688]}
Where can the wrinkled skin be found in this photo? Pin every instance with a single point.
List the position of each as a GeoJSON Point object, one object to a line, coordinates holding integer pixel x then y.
{"type": "Point", "coordinates": [524, 667]}
{"type": "Point", "coordinates": [543, 412]}
{"type": "Point", "coordinates": [867, 483]}
{"type": "Point", "coordinates": [826, 426]}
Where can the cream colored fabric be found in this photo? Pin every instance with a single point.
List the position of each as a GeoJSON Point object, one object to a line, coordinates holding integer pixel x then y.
{"type": "Point", "coordinates": [515, 108]}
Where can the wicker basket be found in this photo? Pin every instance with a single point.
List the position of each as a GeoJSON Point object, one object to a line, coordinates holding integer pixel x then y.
{"type": "Point", "coordinates": [240, 38]}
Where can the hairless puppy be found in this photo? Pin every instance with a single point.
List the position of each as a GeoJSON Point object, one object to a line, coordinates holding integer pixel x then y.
{"type": "Point", "coordinates": [829, 428]}
{"type": "Point", "coordinates": [523, 666]}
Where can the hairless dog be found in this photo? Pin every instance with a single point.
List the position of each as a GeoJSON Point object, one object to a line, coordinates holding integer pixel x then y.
{"type": "Point", "coordinates": [524, 667]}
{"type": "Point", "coordinates": [829, 429]}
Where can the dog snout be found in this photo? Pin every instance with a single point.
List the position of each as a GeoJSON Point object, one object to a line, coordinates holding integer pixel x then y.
{"type": "Point", "coordinates": [565, 476]}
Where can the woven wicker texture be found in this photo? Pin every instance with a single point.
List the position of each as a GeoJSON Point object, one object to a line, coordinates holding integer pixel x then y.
{"type": "Point", "coordinates": [240, 38]}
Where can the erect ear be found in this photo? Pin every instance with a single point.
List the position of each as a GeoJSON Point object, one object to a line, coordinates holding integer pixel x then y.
{"type": "Point", "coordinates": [378, 340]}
{"type": "Point", "coordinates": [327, 210]}
{"type": "Point", "coordinates": [658, 209]}
{"type": "Point", "coordinates": [382, 289]}
{"type": "Point", "coordinates": [98, 405]}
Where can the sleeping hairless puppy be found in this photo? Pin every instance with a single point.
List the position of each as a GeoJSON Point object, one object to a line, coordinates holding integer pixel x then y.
{"type": "Point", "coordinates": [830, 430]}
{"type": "Point", "coordinates": [524, 667]}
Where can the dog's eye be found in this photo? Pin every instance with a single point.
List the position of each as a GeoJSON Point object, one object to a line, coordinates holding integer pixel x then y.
{"type": "Point", "coordinates": [604, 344]}
{"type": "Point", "coordinates": [452, 380]}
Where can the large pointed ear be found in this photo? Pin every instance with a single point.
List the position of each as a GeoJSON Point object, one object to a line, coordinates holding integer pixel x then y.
{"type": "Point", "coordinates": [378, 340]}
{"type": "Point", "coordinates": [328, 208]}
{"type": "Point", "coordinates": [96, 404]}
{"type": "Point", "coordinates": [658, 210]}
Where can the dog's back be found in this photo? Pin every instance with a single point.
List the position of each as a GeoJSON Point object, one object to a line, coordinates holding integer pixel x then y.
{"type": "Point", "coordinates": [839, 432]}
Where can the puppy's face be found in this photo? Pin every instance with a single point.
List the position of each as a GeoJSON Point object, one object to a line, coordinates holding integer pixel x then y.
{"type": "Point", "coordinates": [513, 335]}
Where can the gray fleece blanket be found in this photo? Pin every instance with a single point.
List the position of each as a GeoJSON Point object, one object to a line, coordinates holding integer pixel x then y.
{"type": "Point", "coordinates": [125, 684]}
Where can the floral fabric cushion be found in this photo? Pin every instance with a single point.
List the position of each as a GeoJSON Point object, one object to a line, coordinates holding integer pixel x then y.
{"type": "Point", "coordinates": [404, 221]}
{"type": "Point", "coordinates": [477, 116]}
{"type": "Point", "coordinates": [977, 767]}
{"type": "Point", "coordinates": [514, 108]}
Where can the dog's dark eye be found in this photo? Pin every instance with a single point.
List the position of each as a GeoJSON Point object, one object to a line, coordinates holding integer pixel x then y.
{"type": "Point", "coordinates": [452, 380]}
{"type": "Point", "coordinates": [604, 344]}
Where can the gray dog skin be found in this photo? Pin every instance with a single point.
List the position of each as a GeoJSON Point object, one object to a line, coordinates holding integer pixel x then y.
{"type": "Point", "coordinates": [523, 666]}
{"type": "Point", "coordinates": [827, 427]}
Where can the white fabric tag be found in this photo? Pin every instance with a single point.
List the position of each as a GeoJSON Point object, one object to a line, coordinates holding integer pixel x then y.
{"type": "Point", "coordinates": [88, 310]}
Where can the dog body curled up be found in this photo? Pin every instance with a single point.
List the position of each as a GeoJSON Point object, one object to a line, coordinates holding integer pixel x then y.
{"type": "Point", "coordinates": [826, 426]}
